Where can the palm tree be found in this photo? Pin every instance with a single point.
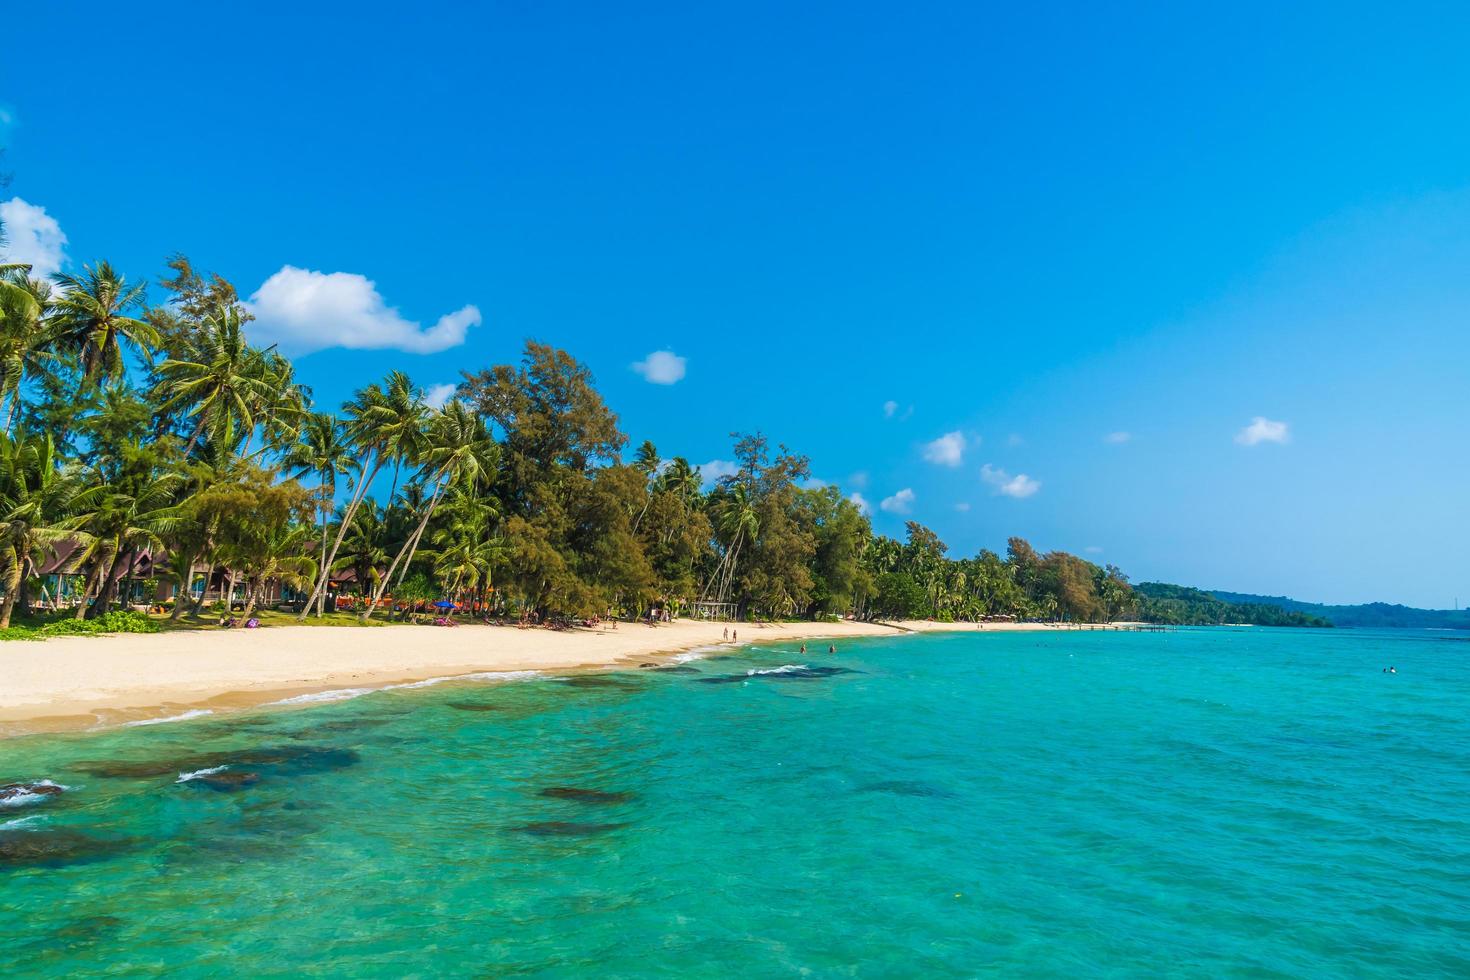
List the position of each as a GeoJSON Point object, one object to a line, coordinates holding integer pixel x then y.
{"type": "Point", "coordinates": [91, 320]}
{"type": "Point", "coordinates": [38, 508]}
{"type": "Point", "coordinates": [224, 383]}
{"type": "Point", "coordinates": [364, 549]}
{"type": "Point", "coordinates": [24, 351]}
{"type": "Point", "coordinates": [179, 570]}
{"type": "Point", "coordinates": [383, 424]}
{"type": "Point", "coordinates": [275, 551]}
{"type": "Point", "coordinates": [466, 560]}
{"type": "Point", "coordinates": [467, 548]}
{"type": "Point", "coordinates": [455, 448]}
{"type": "Point", "coordinates": [322, 451]}
{"type": "Point", "coordinates": [682, 479]}
{"type": "Point", "coordinates": [282, 415]}
{"type": "Point", "coordinates": [738, 522]}
{"type": "Point", "coordinates": [128, 519]}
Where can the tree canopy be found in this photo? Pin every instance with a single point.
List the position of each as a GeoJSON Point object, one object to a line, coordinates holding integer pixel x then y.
{"type": "Point", "coordinates": [140, 426]}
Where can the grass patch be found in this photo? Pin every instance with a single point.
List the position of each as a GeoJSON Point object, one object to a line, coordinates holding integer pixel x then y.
{"type": "Point", "coordinates": [117, 621]}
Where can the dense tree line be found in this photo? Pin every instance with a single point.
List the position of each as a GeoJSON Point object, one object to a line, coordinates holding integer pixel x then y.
{"type": "Point", "coordinates": [133, 427]}
{"type": "Point", "coordinates": [1368, 615]}
{"type": "Point", "coordinates": [1176, 604]}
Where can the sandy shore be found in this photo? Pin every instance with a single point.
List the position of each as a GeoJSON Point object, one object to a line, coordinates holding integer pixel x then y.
{"type": "Point", "coordinates": [69, 683]}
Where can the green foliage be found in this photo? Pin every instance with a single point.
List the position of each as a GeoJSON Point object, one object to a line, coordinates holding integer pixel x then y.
{"type": "Point", "coordinates": [117, 621]}
{"type": "Point", "coordinates": [1178, 605]}
{"type": "Point", "coordinates": [900, 597]}
{"type": "Point", "coordinates": [160, 438]}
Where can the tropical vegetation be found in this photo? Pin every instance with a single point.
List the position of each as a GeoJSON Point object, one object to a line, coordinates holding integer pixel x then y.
{"type": "Point", "coordinates": [150, 431]}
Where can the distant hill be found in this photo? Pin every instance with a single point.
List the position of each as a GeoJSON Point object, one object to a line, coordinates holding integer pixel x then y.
{"type": "Point", "coordinates": [1160, 602]}
{"type": "Point", "coordinates": [1371, 614]}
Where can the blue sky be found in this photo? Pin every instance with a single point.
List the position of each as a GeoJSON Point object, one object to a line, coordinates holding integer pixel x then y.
{"type": "Point", "coordinates": [1095, 244]}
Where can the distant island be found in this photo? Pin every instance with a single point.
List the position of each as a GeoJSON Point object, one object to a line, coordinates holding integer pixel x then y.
{"type": "Point", "coordinates": [1160, 602]}
{"type": "Point", "coordinates": [1179, 605]}
{"type": "Point", "coordinates": [1367, 615]}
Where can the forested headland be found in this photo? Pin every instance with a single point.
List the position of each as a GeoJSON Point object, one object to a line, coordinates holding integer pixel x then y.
{"type": "Point", "coordinates": [138, 424]}
{"type": "Point", "coordinates": [1177, 604]}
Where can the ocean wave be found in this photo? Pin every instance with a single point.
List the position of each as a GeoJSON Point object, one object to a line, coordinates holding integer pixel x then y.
{"type": "Point", "coordinates": [184, 777]}
{"type": "Point", "coordinates": [323, 697]}
{"type": "Point", "coordinates": [348, 693]}
{"type": "Point", "coordinates": [783, 669]}
{"type": "Point", "coordinates": [26, 799]}
{"type": "Point", "coordinates": [22, 823]}
{"type": "Point", "coordinates": [194, 713]}
{"type": "Point", "coordinates": [486, 675]}
{"type": "Point", "coordinates": [698, 653]}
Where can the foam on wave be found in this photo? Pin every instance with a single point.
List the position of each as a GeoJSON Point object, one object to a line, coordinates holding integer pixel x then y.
{"type": "Point", "coordinates": [25, 799]}
{"type": "Point", "coordinates": [185, 777]}
{"type": "Point", "coordinates": [194, 713]}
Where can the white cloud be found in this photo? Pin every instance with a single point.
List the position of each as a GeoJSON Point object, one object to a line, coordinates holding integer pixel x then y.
{"type": "Point", "coordinates": [32, 236]}
{"type": "Point", "coordinates": [1261, 430]}
{"type": "Point", "coordinates": [1093, 549]}
{"type": "Point", "coordinates": [963, 506]}
{"type": "Point", "coordinates": [900, 503]}
{"type": "Point", "coordinates": [712, 471]}
{"type": "Point", "coordinates": [1118, 438]}
{"type": "Point", "coordinates": [947, 450]}
{"type": "Point", "coordinates": [662, 367]}
{"type": "Point", "coordinates": [1017, 486]}
{"type": "Point", "coordinates": [1014, 439]}
{"type": "Point", "coordinates": [303, 311]}
{"type": "Point", "coordinates": [859, 479]}
{"type": "Point", "coordinates": [890, 411]}
{"type": "Point", "coordinates": [437, 396]}
{"type": "Point", "coordinates": [861, 502]}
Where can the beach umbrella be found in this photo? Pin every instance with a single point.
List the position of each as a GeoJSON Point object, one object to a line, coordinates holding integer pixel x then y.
{"type": "Point", "coordinates": [443, 604]}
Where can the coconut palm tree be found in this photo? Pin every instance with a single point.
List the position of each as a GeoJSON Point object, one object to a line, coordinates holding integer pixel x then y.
{"type": "Point", "coordinates": [384, 423]}
{"type": "Point", "coordinates": [179, 569]}
{"type": "Point", "coordinates": [738, 523]}
{"type": "Point", "coordinates": [130, 516]}
{"type": "Point", "coordinates": [364, 549]}
{"type": "Point", "coordinates": [456, 447]}
{"type": "Point", "coordinates": [322, 451]}
{"type": "Point", "coordinates": [91, 320]}
{"type": "Point", "coordinates": [24, 350]}
{"type": "Point", "coordinates": [222, 383]}
{"type": "Point", "coordinates": [39, 507]}
{"type": "Point", "coordinates": [466, 548]}
{"type": "Point", "coordinates": [275, 551]}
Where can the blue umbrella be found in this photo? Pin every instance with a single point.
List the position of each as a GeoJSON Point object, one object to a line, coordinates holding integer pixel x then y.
{"type": "Point", "coordinates": [444, 604]}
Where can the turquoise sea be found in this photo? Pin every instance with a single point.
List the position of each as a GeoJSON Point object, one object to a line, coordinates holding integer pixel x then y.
{"type": "Point", "coordinates": [1220, 802]}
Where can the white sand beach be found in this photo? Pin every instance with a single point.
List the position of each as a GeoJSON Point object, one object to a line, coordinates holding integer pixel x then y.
{"type": "Point", "coordinates": [83, 682]}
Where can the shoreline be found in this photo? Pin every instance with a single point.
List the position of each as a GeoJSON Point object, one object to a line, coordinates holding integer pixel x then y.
{"type": "Point", "coordinates": [94, 682]}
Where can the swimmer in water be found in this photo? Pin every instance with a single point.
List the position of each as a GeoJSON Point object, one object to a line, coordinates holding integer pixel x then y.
{"type": "Point", "coordinates": [803, 649]}
{"type": "Point", "coordinates": [832, 648]}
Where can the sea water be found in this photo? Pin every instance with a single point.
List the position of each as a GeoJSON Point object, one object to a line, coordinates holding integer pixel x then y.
{"type": "Point", "coordinates": [1240, 802]}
